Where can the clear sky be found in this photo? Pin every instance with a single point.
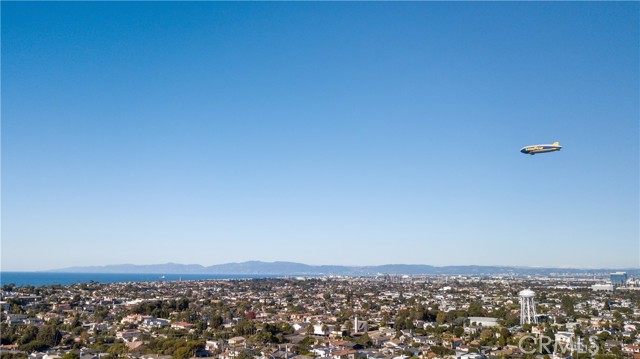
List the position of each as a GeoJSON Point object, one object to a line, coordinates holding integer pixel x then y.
{"type": "Point", "coordinates": [323, 133]}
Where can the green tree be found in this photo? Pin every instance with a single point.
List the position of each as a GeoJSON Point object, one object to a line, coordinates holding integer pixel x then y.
{"type": "Point", "coordinates": [29, 334]}
{"type": "Point", "coordinates": [182, 353]}
{"type": "Point", "coordinates": [216, 321]}
{"type": "Point", "coordinates": [568, 304]}
{"type": "Point", "coordinates": [182, 304]}
{"type": "Point", "coordinates": [8, 287]}
{"type": "Point", "coordinates": [442, 351]}
{"type": "Point", "coordinates": [348, 326]}
{"type": "Point", "coordinates": [475, 310]}
{"type": "Point", "coordinates": [365, 340]}
{"type": "Point", "coordinates": [325, 329]}
{"type": "Point", "coordinates": [245, 327]}
{"type": "Point", "coordinates": [71, 355]}
{"type": "Point", "coordinates": [245, 354]}
{"type": "Point", "coordinates": [34, 346]}
{"type": "Point", "coordinates": [49, 335]}
{"type": "Point", "coordinates": [264, 337]}
{"type": "Point", "coordinates": [118, 349]}
{"type": "Point", "coordinates": [617, 316]}
{"type": "Point", "coordinates": [8, 355]}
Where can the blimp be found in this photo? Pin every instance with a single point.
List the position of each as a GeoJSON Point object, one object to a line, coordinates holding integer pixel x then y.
{"type": "Point", "coordinates": [532, 150]}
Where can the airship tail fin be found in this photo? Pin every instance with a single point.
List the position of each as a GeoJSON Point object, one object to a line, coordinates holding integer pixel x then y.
{"type": "Point", "coordinates": [556, 143]}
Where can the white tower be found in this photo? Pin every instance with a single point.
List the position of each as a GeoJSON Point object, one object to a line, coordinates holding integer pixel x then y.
{"type": "Point", "coordinates": [527, 307]}
{"type": "Point", "coordinates": [355, 325]}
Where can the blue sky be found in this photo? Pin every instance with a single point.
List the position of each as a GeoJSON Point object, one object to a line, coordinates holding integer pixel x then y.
{"type": "Point", "coordinates": [323, 133]}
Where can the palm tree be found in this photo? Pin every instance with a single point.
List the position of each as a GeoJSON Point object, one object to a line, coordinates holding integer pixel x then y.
{"type": "Point", "coordinates": [325, 329]}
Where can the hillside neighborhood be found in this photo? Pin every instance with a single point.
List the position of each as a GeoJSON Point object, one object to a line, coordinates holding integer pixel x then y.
{"type": "Point", "coordinates": [378, 317]}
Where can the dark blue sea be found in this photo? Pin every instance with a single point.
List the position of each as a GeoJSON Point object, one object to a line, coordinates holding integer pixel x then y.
{"type": "Point", "coordinates": [49, 278]}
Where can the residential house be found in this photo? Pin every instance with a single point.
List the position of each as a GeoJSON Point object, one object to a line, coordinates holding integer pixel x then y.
{"type": "Point", "coordinates": [344, 354]}
{"type": "Point", "coordinates": [237, 340]}
{"type": "Point", "coordinates": [129, 335]}
{"type": "Point", "coordinates": [182, 325]}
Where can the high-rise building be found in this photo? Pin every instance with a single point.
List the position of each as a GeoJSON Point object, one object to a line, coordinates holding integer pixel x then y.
{"type": "Point", "coordinates": [618, 279]}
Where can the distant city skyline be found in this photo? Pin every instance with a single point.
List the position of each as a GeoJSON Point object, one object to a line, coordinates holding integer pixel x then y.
{"type": "Point", "coordinates": [320, 133]}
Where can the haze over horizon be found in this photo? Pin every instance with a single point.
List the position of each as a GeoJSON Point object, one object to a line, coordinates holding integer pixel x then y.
{"type": "Point", "coordinates": [320, 133]}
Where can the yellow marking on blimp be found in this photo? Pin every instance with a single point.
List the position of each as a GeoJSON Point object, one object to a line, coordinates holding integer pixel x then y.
{"type": "Point", "coordinates": [532, 150]}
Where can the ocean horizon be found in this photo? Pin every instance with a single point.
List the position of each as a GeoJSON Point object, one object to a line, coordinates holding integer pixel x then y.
{"type": "Point", "coordinates": [37, 279]}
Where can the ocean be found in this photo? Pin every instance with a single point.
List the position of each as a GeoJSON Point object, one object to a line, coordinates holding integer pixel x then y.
{"type": "Point", "coordinates": [50, 278]}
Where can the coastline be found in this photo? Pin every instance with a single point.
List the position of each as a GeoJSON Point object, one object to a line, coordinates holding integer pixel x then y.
{"type": "Point", "coordinates": [55, 278]}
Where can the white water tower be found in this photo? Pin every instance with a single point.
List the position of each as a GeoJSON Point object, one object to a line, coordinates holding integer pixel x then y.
{"type": "Point", "coordinates": [527, 307]}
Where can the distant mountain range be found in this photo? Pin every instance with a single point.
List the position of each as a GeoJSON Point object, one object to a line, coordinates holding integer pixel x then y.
{"type": "Point", "coordinates": [291, 268]}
